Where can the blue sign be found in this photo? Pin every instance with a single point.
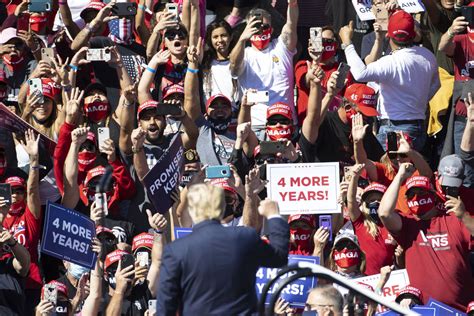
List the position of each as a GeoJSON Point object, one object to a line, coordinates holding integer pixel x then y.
{"type": "Point", "coordinates": [164, 177]}
{"type": "Point", "coordinates": [422, 310]}
{"type": "Point", "coordinates": [443, 309]}
{"type": "Point", "coordinates": [181, 232]}
{"type": "Point", "coordinates": [296, 292]}
{"type": "Point", "coordinates": [67, 235]}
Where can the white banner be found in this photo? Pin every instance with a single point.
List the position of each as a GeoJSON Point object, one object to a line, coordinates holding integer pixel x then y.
{"type": "Point", "coordinates": [411, 6]}
{"type": "Point", "coordinates": [304, 188]}
{"type": "Point", "coordinates": [363, 9]}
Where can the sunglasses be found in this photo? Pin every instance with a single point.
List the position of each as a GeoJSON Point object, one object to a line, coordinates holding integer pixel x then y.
{"type": "Point", "coordinates": [274, 121]}
{"type": "Point", "coordinates": [415, 191]}
{"type": "Point", "coordinates": [348, 245]}
{"type": "Point", "coordinates": [88, 146]}
{"type": "Point", "coordinates": [171, 35]}
{"type": "Point", "coordinates": [265, 26]}
{"type": "Point", "coordinates": [18, 191]}
{"type": "Point", "coordinates": [328, 41]}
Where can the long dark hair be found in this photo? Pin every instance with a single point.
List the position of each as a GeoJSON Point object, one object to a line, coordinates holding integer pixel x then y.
{"type": "Point", "coordinates": [211, 53]}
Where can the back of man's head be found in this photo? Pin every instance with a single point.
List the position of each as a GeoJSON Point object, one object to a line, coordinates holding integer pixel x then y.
{"type": "Point", "coordinates": [205, 202]}
{"type": "Point", "coordinates": [325, 298]}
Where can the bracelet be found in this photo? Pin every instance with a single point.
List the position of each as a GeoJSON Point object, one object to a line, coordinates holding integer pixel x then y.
{"type": "Point", "coordinates": [136, 150]}
{"type": "Point", "coordinates": [74, 68]}
{"type": "Point", "coordinates": [142, 7]}
{"type": "Point", "coordinates": [153, 71]}
{"type": "Point", "coordinates": [450, 33]}
{"type": "Point", "coordinates": [157, 231]}
{"type": "Point", "coordinates": [194, 71]}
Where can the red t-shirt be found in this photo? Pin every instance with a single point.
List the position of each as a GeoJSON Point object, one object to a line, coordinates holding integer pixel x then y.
{"type": "Point", "coordinates": [379, 251]}
{"type": "Point", "coordinates": [463, 59]}
{"type": "Point", "coordinates": [26, 229]}
{"type": "Point", "coordinates": [437, 259]}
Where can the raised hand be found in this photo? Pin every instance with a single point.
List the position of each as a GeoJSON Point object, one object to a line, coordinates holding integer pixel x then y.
{"type": "Point", "coordinates": [138, 137]}
{"type": "Point", "coordinates": [315, 56]}
{"type": "Point", "coordinates": [315, 73]}
{"type": "Point", "coordinates": [455, 206]}
{"type": "Point", "coordinates": [195, 53]}
{"type": "Point", "coordinates": [104, 14]}
{"type": "Point", "coordinates": [268, 208]}
{"type": "Point", "coordinates": [73, 102]}
{"type": "Point", "coordinates": [470, 108]}
{"type": "Point", "coordinates": [123, 277]}
{"type": "Point", "coordinates": [108, 148]}
{"type": "Point", "coordinates": [162, 57]}
{"type": "Point", "coordinates": [29, 38]}
{"type": "Point", "coordinates": [243, 131]}
{"type": "Point", "coordinates": [250, 29]}
{"type": "Point", "coordinates": [253, 184]}
{"type": "Point", "coordinates": [459, 25]}
{"type": "Point", "coordinates": [61, 70]}
{"type": "Point", "coordinates": [165, 20]}
{"type": "Point", "coordinates": [358, 128]}
{"type": "Point", "coordinates": [79, 57]}
{"type": "Point", "coordinates": [156, 221]}
{"type": "Point", "coordinates": [97, 213]}
{"type": "Point", "coordinates": [130, 93]}
{"type": "Point", "coordinates": [235, 180]}
{"type": "Point", "coordinates": [43, 69]}
{"type": "Point", "coordinates": [346, 32]}
{"type": "Point", "coordinates": [30, 143]}
{"type": "Point", "coordinates": [115, 57]}
{"type": "Point", "coordinates": [79, 135]}
{"type": "Point", "coordinates": [45, 308]}
{"type": "Point", "coordinates": [403, 145]}
{"type": "Point", "coordinates": [321, 238]}
{"type": "Point", "coordinates": [406, 170]}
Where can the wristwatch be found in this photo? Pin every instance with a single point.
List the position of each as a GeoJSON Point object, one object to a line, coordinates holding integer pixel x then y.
{"type": "Point", "coordinates": [343, 46]}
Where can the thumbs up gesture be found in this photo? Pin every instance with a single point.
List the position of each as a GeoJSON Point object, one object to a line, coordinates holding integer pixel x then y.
{"type": "Point", "coordinates": [346, 32]}
{"type": "Point", "coordinates": [157, 221]}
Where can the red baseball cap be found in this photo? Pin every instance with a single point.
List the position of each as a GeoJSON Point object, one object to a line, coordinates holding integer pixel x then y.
{"type": "Point", "coordinates": [419, 182]}
{"type": "Point", "coordinates": [102, 229]}
{"type": "Point", "coordinates": [172, 89]}
{"type": "Point", "coordinates": [94, 172]}
{"type": "Point", "coordinates": [92, 6]}
{"type": "Point", "coordinates": [16, 182]}
{"type": "Point", "coordinates": [218, 96]}
{"type": "Point", "coordinates": [113, 257]}
{"type": "Point", "coordinates": [49, 88]}
{"type": "Point", "coordinates": [307, 218]}
{"type": "Point", "coordinates": [91, 137]}
{"type": "Point", "coordinates": [60, 286]}
{"type": "Point", "coordinates": [470, 307]}
{"type": "Point", "coordinates": [222, 183]}
{"type": "Point", "coordinates": [149, 104]}
{"type": "Point", "coordinates": [143, 240]}
{"type": "Point", "coordinates": [409, 290]}
{"type": "Point", "coordinates": [401, 26]}
{"type": "Point", "coordinates": [364, 97]}
{"type": "Point", "coordinates": [374, 187]}
{"type": "Point", "coordinates": [280, 108]}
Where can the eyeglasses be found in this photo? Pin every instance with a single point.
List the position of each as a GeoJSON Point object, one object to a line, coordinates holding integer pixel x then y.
{"type": "Point", "coordinates": [348, 245]}
{"type": "Point", "coordinates": [88, 146]}
{"type": "Point", "coordinates": [171, 35]}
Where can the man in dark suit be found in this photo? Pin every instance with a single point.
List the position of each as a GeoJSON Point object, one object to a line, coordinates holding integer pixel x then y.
{"type": "Point", "coordinates": [212, 270]}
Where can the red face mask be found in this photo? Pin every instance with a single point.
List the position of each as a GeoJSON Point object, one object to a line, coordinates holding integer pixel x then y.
{"type": "Point", "coordinates": [302, 241]}
{"type": "Point", "coordinates": [470, 33]}
{"type": "Point", "coordinates": [279, 133]}
{"type": "Point", "coordinates": [346, 258]}
{"type": "Point", "coordinates": [38, 23]}
{"type": "Point", "coordinates": [96, 111]}
{"type": "Point", "coordinates": [349, 114]}
{"type": "Point", "coordinates": [261, 41]}
{"type": "Point", "coordinates": [329, 51]}
{"type": "Point", "coordinates": [17, 208]}
{"type": "Point", "coordinates": [86, 160]}
{"type": "Point", "coordinates": [421, 204]}
{"type": "Point", "coordinates": [13, 62]}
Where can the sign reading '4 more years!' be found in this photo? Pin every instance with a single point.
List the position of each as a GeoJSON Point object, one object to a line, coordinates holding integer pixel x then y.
{"type": "Point", "coordinates": [304, 188]}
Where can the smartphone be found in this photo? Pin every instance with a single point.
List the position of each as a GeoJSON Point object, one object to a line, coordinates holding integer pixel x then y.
{"type": "Point", "coordinates": [23, 23]}
{"type": "Point", "coordinates": [152, 307]}
{"type": "Point", "coordinates": [216, 172]}
{"type": "Point", "coordinates": [168, 109]}
{"type": "Point", "coordinates": [271, 148]}
{"type": "Point", "coordinates": [50, 293]}
{"type": "Point", "coordinates": [343, 70]}
{"type": "Point", "coordinates": [392, 144]}
{"type": "Point", "coordinates": [258, 97]}
{"type": "Point", "coordinates": [127, 260]}
{"type": "Point", "coordinates": [100, 199]}
{"type": "Point", "coordinates": [316, 38]}
{"type": "Point", "coordinates": [39, 6]}
{"type": "Point", "coordinates": [47, 54]}
{"type": "Point", "coordinates": [173, 8]}
{"type": "Point", "coordinates": [6, 192]}
{"type": "Point", "coordinates": [98, 54]}
{"type": "Point", "coordinates": [347, 175]}
{"type": "Point", "coordinates": [36, 87]}
{"type": "Point", "coordinates": [381, 16]}
{"type": "Point", "coordinates": [124, 9]}
{"type": "Point", "coordinates": [451, 191]}
{"type": "Point", "coordinates": [103, 133]}
{"type": "Point", "coordinates": [143, 259]}
{"type": "Point", "coordinates": [258, 16]}
{"type": "Point", "coordinates": [325, 221]}
{"type": "Point", "coordinates": [468, 14]}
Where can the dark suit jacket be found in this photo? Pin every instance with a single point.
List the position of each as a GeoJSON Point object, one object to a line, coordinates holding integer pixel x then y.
{"type": "Point", "coordinates": [212, 270]}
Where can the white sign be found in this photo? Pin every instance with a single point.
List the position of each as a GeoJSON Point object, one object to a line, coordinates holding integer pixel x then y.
{"type": "Point", "coordinates": [363, 9]}
{"type": "Point", "coordinates": [304, 188]}
{"type": "Point", "coordinates": [411, 6]}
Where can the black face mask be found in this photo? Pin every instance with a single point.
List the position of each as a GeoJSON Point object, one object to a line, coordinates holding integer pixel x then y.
{"type": "Point", "coordinates": [373, 208]}
{"type": "Point", "coordinates": [111, 279]}
{"type": "Point", "coordinates": [61, 308]}
{"type": "Point", "coordinates": [229, 210]}
{"type": "Point", "coordinates": [219, 126]}
{"type": "Point", "coordinates": [186, 177]}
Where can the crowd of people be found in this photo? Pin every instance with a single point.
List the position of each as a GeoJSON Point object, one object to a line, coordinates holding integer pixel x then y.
{"type": "Point", "coordinates": [229, 79]}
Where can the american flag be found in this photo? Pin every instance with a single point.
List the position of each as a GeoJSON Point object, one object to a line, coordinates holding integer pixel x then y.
{"type": "Point", "coordinates": [121, 31]}
{"type": "Point", "coordinates": [134, 65]}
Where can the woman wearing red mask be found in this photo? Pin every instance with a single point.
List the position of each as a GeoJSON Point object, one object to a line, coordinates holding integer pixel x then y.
{"type": "Point", "coordinates": [346, 257]}
{"type": "Point", "coordinates": [376, 242]}
{"type": "Point", "coordinates": [327, 61]}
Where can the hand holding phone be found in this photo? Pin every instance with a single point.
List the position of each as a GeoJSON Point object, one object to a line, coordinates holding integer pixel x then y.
{"type": "Point", "coordinates": [326, 221]}
{"type": "Point", "coordinates": [217, 172]}
{"type": "Point", "coordinates": [98, 54]}
{"type": "Point", "coordinates": [36, 88]}
{"type": "Point", "coordinates": [343, 70]}
{"type": "Point", "coordinates": [173, 8]}
{"type": "Point", "coordinates": [103, 133]}
{"type": "Point", "coordinates": [316, 39]}
{"type": "Point", "coordinates": [258, 96]}
{"type": "Point", "coordinates": [50, 293]}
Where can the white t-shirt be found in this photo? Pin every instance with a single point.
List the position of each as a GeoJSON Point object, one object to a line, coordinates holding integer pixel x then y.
{"type": "Point", "coordinates": [408, 79]}
{"type": "Point", "coordinates": [221, 83]}
{"type": "Point", "coordinates": [269, 70]}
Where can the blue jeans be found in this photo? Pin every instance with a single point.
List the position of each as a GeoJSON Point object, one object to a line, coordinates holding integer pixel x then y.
{"type": "Point", "coordinates": [459, 125]}
{"type": "Point", "coordinates": [416, 131]}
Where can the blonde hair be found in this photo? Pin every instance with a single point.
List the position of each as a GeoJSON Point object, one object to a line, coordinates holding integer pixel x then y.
{"type": "Point", "coordinates": [205, 202]}
{"type": "Point", "coordinates": [371, 226]}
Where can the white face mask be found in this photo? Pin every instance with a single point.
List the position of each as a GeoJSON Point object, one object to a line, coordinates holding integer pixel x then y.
{"type": "Point", "coordinates": [77, 271]}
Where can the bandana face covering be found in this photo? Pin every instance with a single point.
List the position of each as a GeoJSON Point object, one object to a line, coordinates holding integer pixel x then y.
{"type": "Point", "coordinates": [261, 41]}
{"type": "Point", "coordinates": [17, 208]}
{"type": "Point", "coordinates": [219, 126]}
{"type": "Point", "coordinates": [120, 31]}
{"type": "Point", "coordinates": [302, 240]}
{"type": "Point", "coordinates": [279, 133]}
{"type": "Point", "coordinates": [346, 258]}
{"type": "Point", "coordinates": [329, 51]}
{"type": "Point", "coordinates": [421, 204]}
{"type": "Point", "coordinates": [96, 111]}
{"type": "Point", "coordinates": [86, 160]}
